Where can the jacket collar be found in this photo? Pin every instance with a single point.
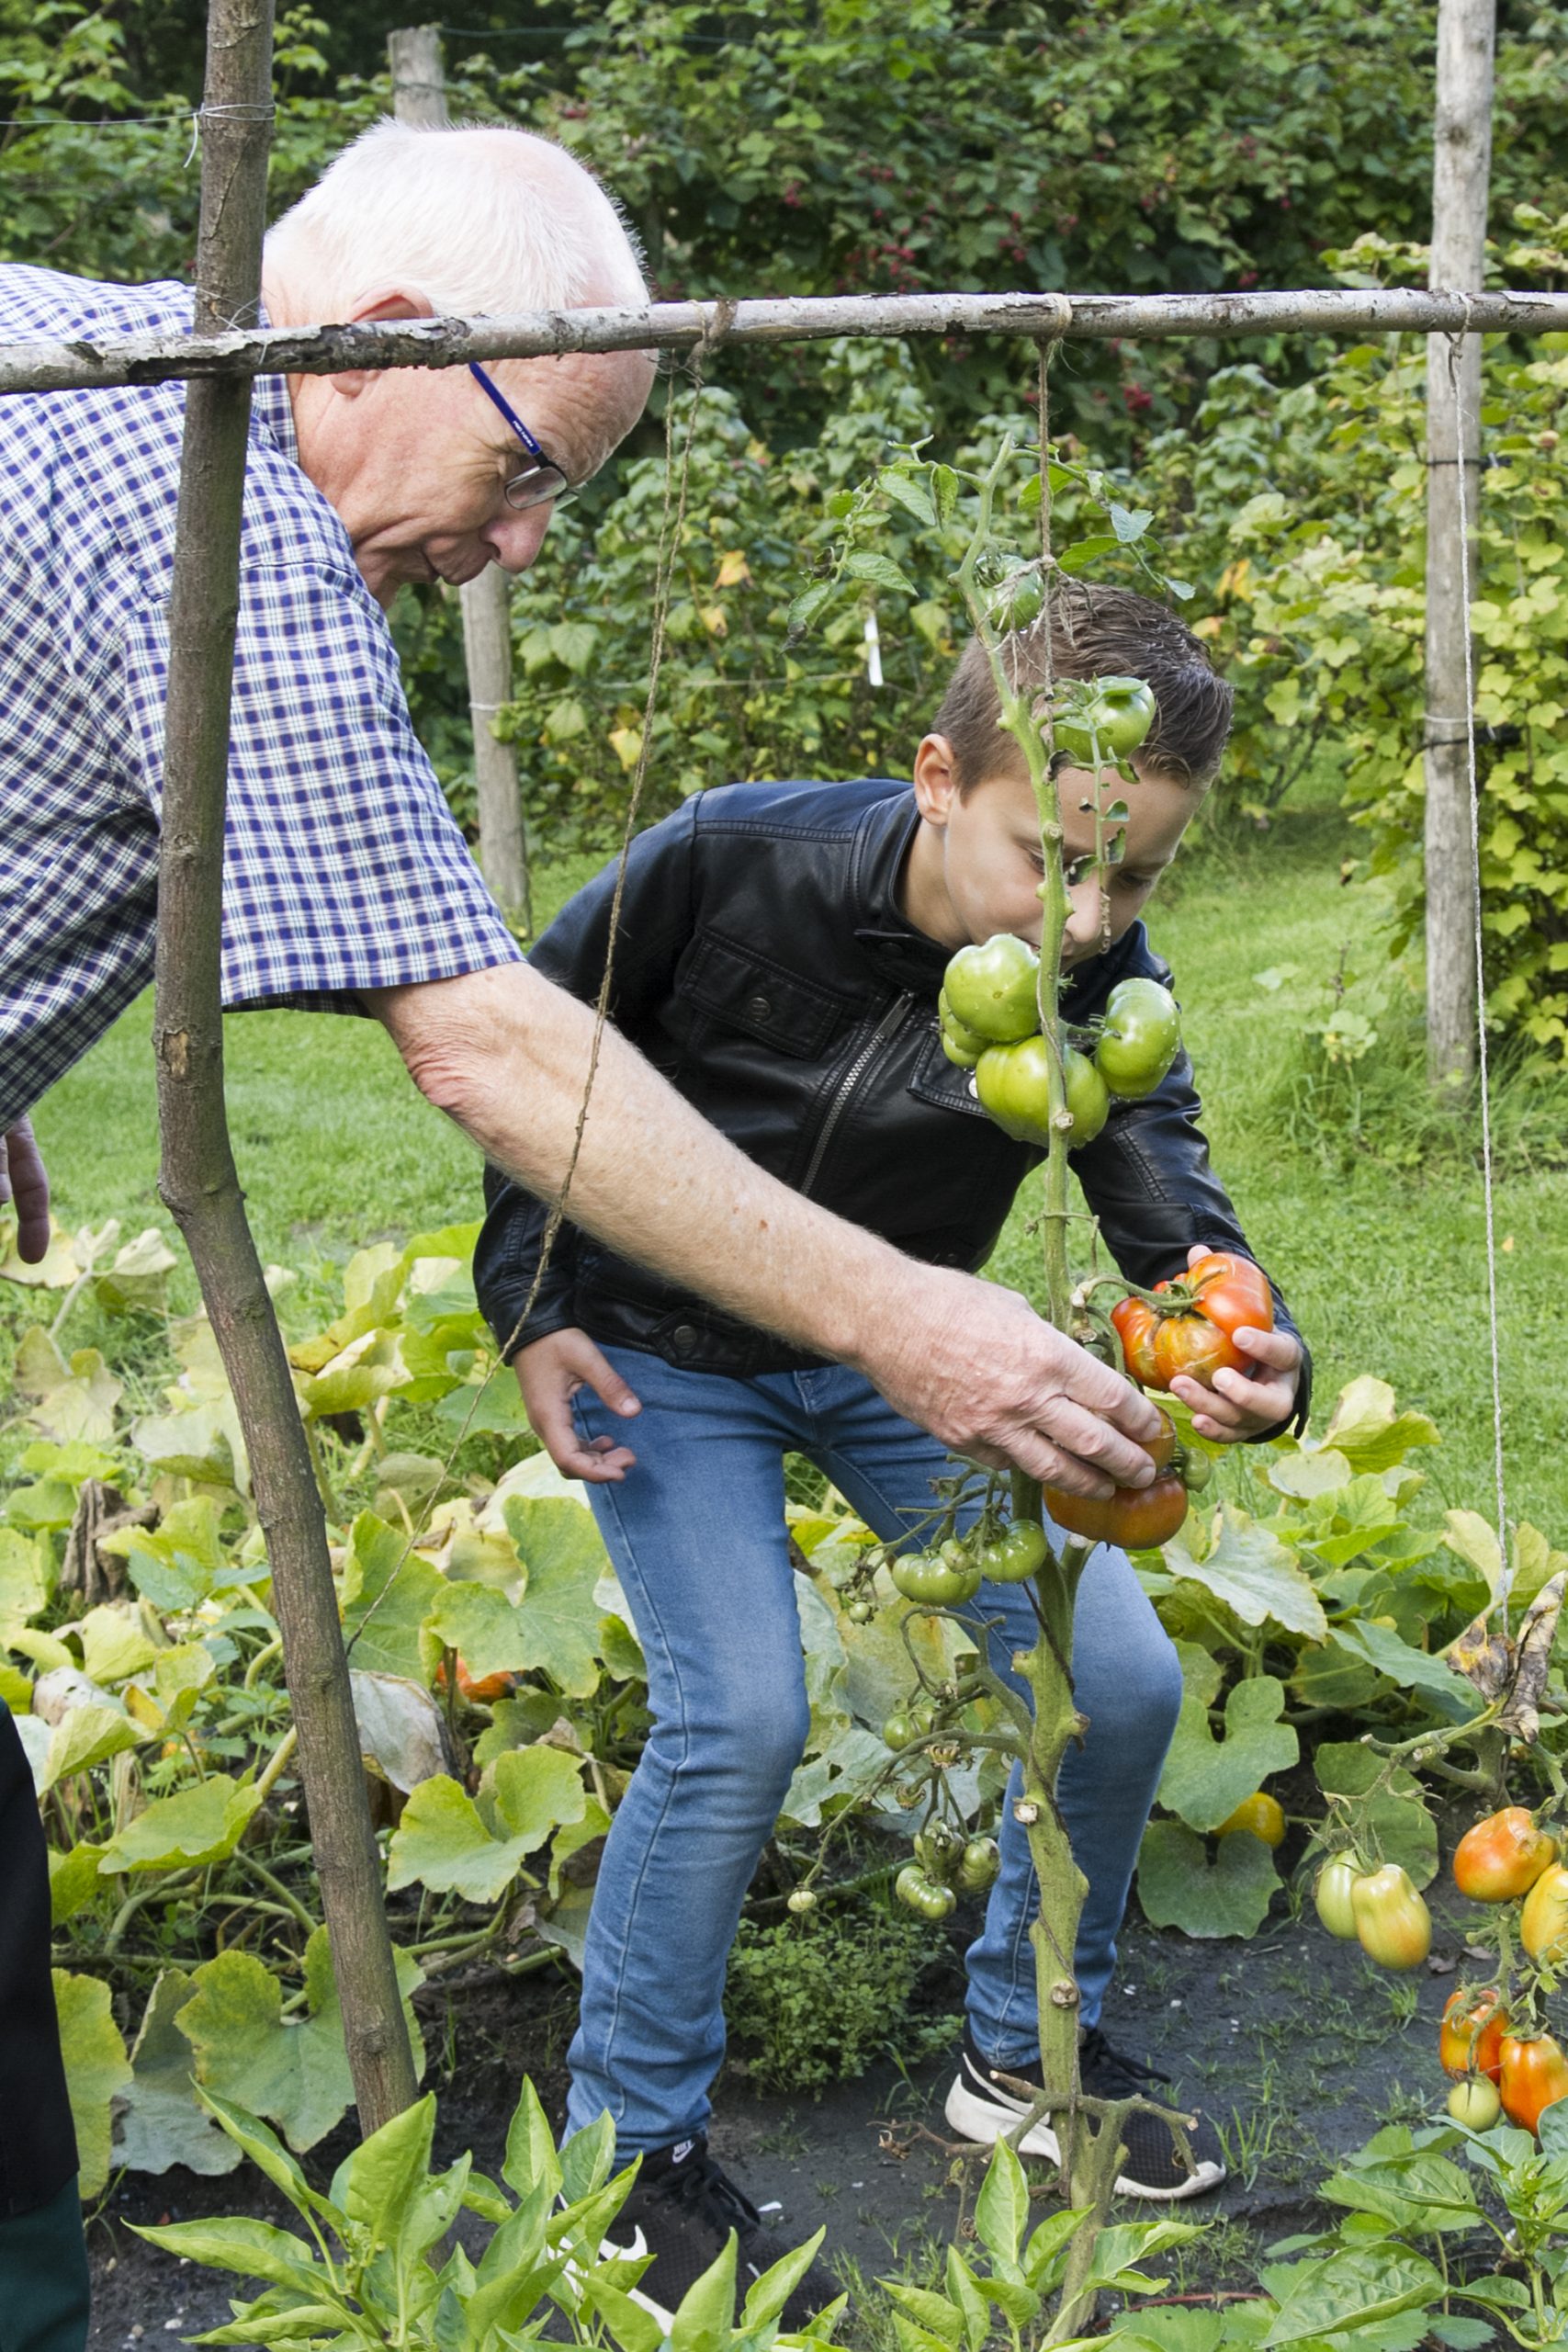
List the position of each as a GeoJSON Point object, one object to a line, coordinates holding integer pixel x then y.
{"type": "Point", "coordinates": [897, 953]}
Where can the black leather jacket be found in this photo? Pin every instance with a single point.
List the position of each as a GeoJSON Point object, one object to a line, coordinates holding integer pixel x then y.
{"type": "Point", "coordinates": [764, 966]}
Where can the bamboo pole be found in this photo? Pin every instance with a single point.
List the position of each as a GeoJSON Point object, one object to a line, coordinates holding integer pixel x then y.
{"type": "Point", "coordinates": [419, 96]}
{"type": "Point", "coordinates": [196, 1177]}
{"type": "Point", "coordinates": [1460, 169]}
{"type": "Point", "coordinates": [44, 366]}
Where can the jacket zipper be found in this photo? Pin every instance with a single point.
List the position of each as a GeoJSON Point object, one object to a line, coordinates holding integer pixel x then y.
{"type": "Point", "coordinates": [891, 1020]}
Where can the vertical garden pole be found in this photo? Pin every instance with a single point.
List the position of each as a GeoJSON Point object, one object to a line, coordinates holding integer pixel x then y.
{"type": "Point", "coordinates": [1460, 171]}
{"type": "Point", "coordinates": [196, 1177]}
{"type": "Point", "coordinates": [419, 96]}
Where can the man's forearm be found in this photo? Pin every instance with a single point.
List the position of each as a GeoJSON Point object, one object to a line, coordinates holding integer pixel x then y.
{"type": "Point", "coordinates": [507, 1056]}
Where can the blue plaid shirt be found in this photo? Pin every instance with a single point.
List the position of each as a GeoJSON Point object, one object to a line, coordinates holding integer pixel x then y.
{"type": "Point", "coordinates": [344, 869]}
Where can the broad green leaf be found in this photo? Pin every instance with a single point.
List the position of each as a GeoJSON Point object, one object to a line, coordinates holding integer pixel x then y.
{"type": "Point", "coordinates": [574, 643]}
{"type": "Point", "coordinates": [564, 1554]}
{"type": "Point", "coordinates": [1353, 2290]}
{"type": "Point", "coordinates": [1206, 1779]}
{"type": "Point", "coordinates": [186, 1831]}
{"type": "Point", "coordinates": [97, 2070]}
{"type": "Point", "coordinates": [1418, 2190]}
{"type": "Point", "coordinates": [1254, 1574]}
{"type": "Point", "coordinates": [256, 2249]}
{"type": "Point", "coordinates": [1381, 1647]}
{"type": "Point", "coordinates": [965, 2294]}
{"type": "Point", "coordinates": [379, 2180]}
{"type": "Point", "coordinates": [442, 1843]}
{"type": "Point", "coordinates": [935, 2313]}
{"type": "Point", "coordinates": [1083, 553]}
{"type": "Point", "coordinates": [1178, 1886]}
{"type": "Point", "coordinates": [534, 1790]}
{"type": "Point", "coordinates": [908, 492]}
{"type": "Point", "coordinates": [83, 1406]}
{"type": "Point", "coordinates": [1305, 1475]}
{"type": "Point", "coordinates": [115, 1644]}
{"type": "Point", "coordinates": [1327, 1675]}
{"type": "Point", "coordinates": [1475, 1542]}
{"type": "Point", "coordinates": [85, 1736]}
{"type": "Point", "coordinates": [1002, 2208]}
{"type": "Point", "coordinates": [294, 2073]}
{"type": "Point", "coordinates": [139, 1278]}
{"type": "Point", "coordinates": [1119, 2249]}
{"type": "Point", "coordinates": [810, 604]}
{"type": "Point", "coordinates": [174, 1565]}
{"type": "Point", "coordinates": [1129, 523]}
{"type": "Point", "coordinates": [1370, 1432]}
{"type": "Point", "coordinates": [1044, 2254]}
{"type": "Point", "coordinates": [1535, 1564]}
{"type": "Point", "coordinates": [1398, 1825]}
{"type": "Point", "coordinates": [531, 2160]}
{"type": "Point", "coordinates": [485, 1628]}
{"type": "Point", "coordinates": [24, 1579]}
{"type": "Point", "coordinates": [160, 2122]}
{"type": "Point", "coordinates": [389, 1591]}
{"type": "Point", "coordinates": [73, 1881]}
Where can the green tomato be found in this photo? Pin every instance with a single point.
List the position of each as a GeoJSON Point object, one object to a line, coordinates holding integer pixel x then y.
{"type": "Point", "coordinates": [981, 1860]}
{"type": "Point", "coordinates": [991, 990]}
{"type": "Point", "coordinates": [932, 1901]}
{"type": "Point", "coordinates": [939, 1849]}
{"type": "Point", "coordinates": [1140, 1036]}
{"type": "Point", "coordinates": [1475, 2103]}
{"type": "Point", "coordinates": [926, 1579]}
{"type": "Point", "coordinates": [1111, 715]}
{"type": "Point", "coordinates": [962, 1046]}
{"type": "Point", "coordinates": [1021, 1553]}
{"type": "Point", "coordinates": [1017, 601]}
{"type": "Point", "coordinates": [1331, 1895]}
{"type": "Point", "coordinates": [801, 1900]}
{"type": "Point", "coordinates": [909, 1879]}
{"type": "Point", "coordinates": [898, 1731]}
{"type": "Point", "coordinates": [1014, 1084]}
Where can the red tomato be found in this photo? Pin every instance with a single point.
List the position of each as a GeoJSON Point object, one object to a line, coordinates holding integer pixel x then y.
{"type": "Point", "coordinates": [1470, 2041]}
{"type": "Point", "coordinates": [1534, 2077]}
{"type": "Point", "coordinates": [481, 1689]}
{"type": "Point", "coordinates": [1137, 1517]}
{"type": "Point", "coordinates": [1134, 1322]}
{"type": "Point", "coordinates": [1502, 1856]}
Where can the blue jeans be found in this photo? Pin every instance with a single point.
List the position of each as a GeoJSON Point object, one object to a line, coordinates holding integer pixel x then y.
{"type": "Point", "coordinates": [696, 1532]}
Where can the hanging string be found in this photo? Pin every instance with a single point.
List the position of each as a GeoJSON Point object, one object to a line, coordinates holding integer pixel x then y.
{"type": "Point", "coordinates": [1455, 348]}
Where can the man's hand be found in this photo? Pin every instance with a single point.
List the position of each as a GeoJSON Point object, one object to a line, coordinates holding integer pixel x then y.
{"type": "Point", "coordinates": [977, 1366]}
{"type": "Point", "coordinates": [549, 1373]}
{"type": "Point", "coordinates": [25, 1182]}
{"type": "Point", "coordinates": [1242, 1405]}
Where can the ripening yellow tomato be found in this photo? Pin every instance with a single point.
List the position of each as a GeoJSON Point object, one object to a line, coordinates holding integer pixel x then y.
{"type": "Point", "coordinates": [1260, 1812]}
{"type": "Point", "coordinates": [1393, 1923]}
{"type": "Point", "coordinates": [1543, 1922]}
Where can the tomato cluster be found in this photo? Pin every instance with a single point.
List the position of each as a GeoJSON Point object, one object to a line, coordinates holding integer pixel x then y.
{"type": "Point", "coordinates": [946, 1864]}
{"type": "Point", "coordinates": [988, 1013]}
{"type": "Point", "coordinates": [1500, 2063]}
{"type": "Point", "coordinates": [1217, 1297]}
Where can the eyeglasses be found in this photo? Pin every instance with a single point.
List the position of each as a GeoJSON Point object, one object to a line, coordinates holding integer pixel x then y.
{"type": "Point", "coordinates": [538, 484]}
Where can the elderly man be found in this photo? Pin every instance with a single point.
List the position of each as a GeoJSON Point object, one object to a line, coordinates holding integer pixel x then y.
{"type": "Point", "coordinates": [348, 887]}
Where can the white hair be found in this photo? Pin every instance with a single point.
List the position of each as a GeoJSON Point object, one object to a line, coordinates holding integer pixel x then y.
{"type": "Point", "coordinates": [481, 219]}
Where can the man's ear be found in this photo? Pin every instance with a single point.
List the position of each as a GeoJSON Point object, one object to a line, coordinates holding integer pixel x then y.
{"type": "Point", "coordinates": [382, 304]}
{"type": "Point", "coordinates": [936, 779]}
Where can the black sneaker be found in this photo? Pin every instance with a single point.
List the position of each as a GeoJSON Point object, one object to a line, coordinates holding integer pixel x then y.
{"type": "Point", "coordinates": [681, 2210]}
{"type": "Point", "coordinates": [979, 2109]}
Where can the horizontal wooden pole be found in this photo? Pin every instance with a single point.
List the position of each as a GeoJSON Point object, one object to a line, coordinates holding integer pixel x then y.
{"type": "Point", "coordinates": [80, 364]}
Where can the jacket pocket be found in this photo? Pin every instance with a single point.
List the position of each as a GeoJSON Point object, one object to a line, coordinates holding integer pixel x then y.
{"type": "Point", "coordinates": [938, 1080]}
{"type": "Point", "coordinates": [735, 984]}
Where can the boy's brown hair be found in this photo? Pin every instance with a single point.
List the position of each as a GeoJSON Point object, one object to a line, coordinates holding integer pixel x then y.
{"type": "Point", "coordinates": [1096, 632]}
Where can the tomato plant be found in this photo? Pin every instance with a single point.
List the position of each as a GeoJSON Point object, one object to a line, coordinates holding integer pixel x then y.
{"type": "Point", "coordinates": [1100, 721]}
{"type": "Point", "coordinates": [992, 990]}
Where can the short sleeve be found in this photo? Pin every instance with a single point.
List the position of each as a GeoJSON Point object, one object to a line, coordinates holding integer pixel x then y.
{"type": "Point", "coordinates": [344, 869]}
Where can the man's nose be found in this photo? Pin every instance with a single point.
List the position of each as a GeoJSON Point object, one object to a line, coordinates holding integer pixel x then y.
{"type": "Point", "coordinates": [514, 540]}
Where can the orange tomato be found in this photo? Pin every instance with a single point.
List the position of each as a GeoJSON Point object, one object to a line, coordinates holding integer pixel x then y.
{"type": "Point", "coordinates": [1502, 1856]}
{"type": "Point", "coordinates": [1534, 2077]}
{"type": "Point", "coordinates": [479, 1689]}
{"type": "Point", "coordinates": [1232, 1295]}
{"type": "Point", "coordinates": [1470, 2041]}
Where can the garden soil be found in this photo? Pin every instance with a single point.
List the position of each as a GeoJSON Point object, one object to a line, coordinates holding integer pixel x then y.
{"type": "Point", "coordinates": [1294, 2044]}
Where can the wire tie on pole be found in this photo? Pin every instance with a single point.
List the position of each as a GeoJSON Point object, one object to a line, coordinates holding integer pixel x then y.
{"type": "Point", "coordinates": [201, 114]}
{"type": "Point", "coordinates": [715, 331]}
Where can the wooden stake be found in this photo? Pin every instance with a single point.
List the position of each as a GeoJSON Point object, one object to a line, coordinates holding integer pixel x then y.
{"type": "Point", "coordinates": [1461, 170]}
{"type": "Point", "coordinates": [419, 96]}
{"type": "Point", "coordinates": [196, 1177]}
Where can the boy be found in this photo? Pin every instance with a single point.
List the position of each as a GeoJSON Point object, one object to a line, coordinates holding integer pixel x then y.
{"type": "Point", "coordinates": [779, 951]}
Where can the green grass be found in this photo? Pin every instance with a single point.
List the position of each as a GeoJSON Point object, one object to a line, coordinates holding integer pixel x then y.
{"type": "Point", "coordinates": [1382, 1257]}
